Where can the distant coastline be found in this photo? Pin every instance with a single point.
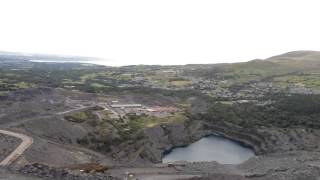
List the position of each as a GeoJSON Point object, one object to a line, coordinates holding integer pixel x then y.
{"type": "Point", "coordinates": [103, 63]}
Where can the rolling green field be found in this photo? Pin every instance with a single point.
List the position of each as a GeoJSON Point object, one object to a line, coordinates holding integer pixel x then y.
{"type": "Point", "coordinates": [305, 80]}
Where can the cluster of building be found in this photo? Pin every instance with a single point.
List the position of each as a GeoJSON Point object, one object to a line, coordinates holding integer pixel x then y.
{"type": "Point", "coordinates": [138, 109]}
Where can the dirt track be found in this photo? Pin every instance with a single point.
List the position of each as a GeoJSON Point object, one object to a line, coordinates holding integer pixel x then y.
{"type": "Point", "coordinates": [26, 143]}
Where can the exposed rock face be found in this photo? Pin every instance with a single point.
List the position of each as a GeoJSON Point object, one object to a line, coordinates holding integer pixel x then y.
{"type": "Point", "coordinates": [163, 138]}
{"type": "Point", "coordinates": [281, 153]}
{"type": "Point", "coordinates": [264, 141]}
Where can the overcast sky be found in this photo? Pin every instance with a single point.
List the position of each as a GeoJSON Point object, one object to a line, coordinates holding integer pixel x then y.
{"type": "Point", "coordinates": [160, 31]}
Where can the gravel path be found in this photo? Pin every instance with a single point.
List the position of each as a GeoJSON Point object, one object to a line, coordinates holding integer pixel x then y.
{"type": "Point", "coordinates": [26, 143]}
{"type": "Point", "coordinates": [7, 145]}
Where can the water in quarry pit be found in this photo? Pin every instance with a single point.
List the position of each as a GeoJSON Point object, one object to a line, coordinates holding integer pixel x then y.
{"type": "Point", "coordinates": [211, 148]}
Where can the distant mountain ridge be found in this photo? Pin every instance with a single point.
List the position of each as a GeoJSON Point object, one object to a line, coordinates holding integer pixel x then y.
{"type": "Point", "coordinates": [290, 61]}
{"type": "Point", "coordinates": [296, 55]}
{"type": "Point", "coordinates": [287, 62]}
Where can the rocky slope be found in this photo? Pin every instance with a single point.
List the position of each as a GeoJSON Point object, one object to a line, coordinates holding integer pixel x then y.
{"type": "Point", "coordinates": [7, 145]}
{"type": "Point", "coordinates": [162, 138]}
{"type": "Point", "coordinates": [282, 153]}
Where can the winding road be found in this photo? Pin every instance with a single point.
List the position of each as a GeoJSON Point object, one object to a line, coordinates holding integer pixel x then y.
{"type": "Point", "coordinates": [24, 145]}
{"type": "Point", "coordinates": [26, 140]}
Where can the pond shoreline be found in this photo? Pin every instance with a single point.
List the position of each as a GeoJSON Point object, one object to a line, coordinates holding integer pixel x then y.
{"type": "Point", "coordinates": [240, 143]}
{"type": "Point", "coordinates": [210, 148]}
